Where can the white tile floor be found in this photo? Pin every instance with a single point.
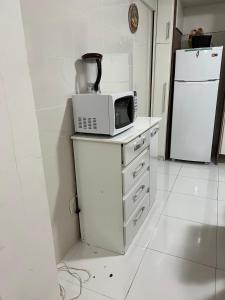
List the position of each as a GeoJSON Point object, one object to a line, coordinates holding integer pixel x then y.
{"type": "Point", "coordinates": [179, 253]}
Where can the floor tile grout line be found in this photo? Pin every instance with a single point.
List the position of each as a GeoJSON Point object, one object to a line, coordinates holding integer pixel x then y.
{"type": "Point", "coordinates": [217, 232]}
{"type": "Point", "coordinates": [161, 214]}
{"type": "Point", "coordinates": [169, 194]}
{"type": "Point", "coordinates": [188, 220]}
{"type": "Point", "coordinates": [198, 178]}
{"type": "Point", "coordinates": [171, 191]}
{"type": "Point", "coordinates": [210, 199]}
{"type": "Point", "coordinates": [199, 197]}
{"type": "Point", "coordinates": [166, 201]}
{"type": "Point", "coordinates": [146, 248]}
{"type": "Point", "coordinates": [157, 223]}
{"type": "Point", "coordinates": [188, 194]}
{"type": "Point", "coordinates": [127, 293]}
{"type": "Point", "coordinates": [182, 258]}
{"type": "Point", "coordinates": [87, 288]}
{"type": "Point", "coordinates": [95, 292]}
{"type": "Point", "coordinates": [172, 187]}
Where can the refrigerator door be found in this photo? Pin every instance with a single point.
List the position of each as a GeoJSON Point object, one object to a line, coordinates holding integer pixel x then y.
{"type": "Point", "coordinates": [193, 120]}
{"type": "Point", "coordinates": [198, 64]}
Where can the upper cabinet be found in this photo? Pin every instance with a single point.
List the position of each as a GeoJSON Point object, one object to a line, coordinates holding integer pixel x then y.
{"type": "Point", "coordinates": [165, 18]}
{"type": "Point", "coordinates": [162, 67]}
{"type": "Point", "coordinates": [161, 91]}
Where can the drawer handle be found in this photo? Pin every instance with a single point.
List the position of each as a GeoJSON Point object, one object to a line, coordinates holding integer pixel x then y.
{"type": "Point", "coordinates": [138, 169]}
{"type": "Point", "coordinates": [139, 215]}
{"type": "Point", "coordinates": [153, 133]}
{"type": "Point", "coordinates": [138, 193]}
{"type": "Point", "coordinates": [138, 145]}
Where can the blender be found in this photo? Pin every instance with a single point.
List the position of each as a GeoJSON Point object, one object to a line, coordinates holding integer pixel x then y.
{"type": "Point", "coordinates": [93, 71]}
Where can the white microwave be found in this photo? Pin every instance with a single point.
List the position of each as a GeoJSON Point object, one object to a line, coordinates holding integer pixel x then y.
{"type": "Point", "coordinates": [104, 114]}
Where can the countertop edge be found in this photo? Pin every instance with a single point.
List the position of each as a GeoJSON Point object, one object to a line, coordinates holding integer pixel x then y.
{"type": "Point", "coordinates": [142, 124]}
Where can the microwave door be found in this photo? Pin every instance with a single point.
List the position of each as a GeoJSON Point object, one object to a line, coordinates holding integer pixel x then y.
{"type": "Point", "coordinates": [124, 112]}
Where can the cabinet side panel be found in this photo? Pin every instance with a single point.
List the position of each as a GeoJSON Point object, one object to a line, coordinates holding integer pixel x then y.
{"type": "Point", "coordinates": [99, 186]}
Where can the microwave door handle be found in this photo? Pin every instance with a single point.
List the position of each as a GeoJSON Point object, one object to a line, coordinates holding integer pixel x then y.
{"type": "Point", "coordinates": [99, 76]}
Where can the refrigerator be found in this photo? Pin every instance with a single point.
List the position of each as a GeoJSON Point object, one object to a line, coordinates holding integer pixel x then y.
{"type": "Point", "coordinates": [197, 79]}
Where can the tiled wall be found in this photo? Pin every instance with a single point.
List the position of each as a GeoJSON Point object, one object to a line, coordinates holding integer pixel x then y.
{"type": "Point", "coordinates": [57, 34]}
{"type": "Point", "coordinates": [27, 262]}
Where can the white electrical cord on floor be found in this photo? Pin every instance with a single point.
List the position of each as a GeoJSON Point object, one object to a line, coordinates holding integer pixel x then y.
{"type": "Point", "coordinates": [74, 273]}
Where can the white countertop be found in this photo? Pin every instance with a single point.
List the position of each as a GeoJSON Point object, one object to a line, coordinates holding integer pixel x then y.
{"type": "Point", "coordinates": [141, 124]}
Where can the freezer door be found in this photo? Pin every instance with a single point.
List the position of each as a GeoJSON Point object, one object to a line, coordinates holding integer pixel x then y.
{"type": "Point", "coordinates": [198, 64]}
{"type": "Point", "coordinates": [193, 120]}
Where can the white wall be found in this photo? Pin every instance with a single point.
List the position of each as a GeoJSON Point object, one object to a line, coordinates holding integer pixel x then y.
{"type": "Point", "coordinates": [27, 262]}
{"type": "Point", "coordinates": [57, 34]}
{"type": "Point", "coordinates": [180, 16]}
{"type": "Point", "coordinates": [210, 17]}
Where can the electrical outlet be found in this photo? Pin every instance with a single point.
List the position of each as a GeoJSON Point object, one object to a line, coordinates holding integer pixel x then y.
{"type": "Point", "coordinates": [72, 206]}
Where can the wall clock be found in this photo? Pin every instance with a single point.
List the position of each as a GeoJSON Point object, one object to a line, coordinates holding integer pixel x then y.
{"type": "Point", "coordinates": [133, 18]}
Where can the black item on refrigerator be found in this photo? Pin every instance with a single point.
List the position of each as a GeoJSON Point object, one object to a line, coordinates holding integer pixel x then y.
{"type": "Point", "coordinates": [201, 41]}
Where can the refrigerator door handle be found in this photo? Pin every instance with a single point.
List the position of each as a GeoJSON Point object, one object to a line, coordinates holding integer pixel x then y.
{"type": "Point", "coordinates": [167, 30]}
{"type": "Point", "coordinates": [164, 97]}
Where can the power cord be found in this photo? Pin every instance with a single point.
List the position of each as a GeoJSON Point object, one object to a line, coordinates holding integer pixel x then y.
{"type": "Point", "coordinates": [74, 273]}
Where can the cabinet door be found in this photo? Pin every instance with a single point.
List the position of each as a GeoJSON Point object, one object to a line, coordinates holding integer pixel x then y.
{"type": "Point", "coordinates": [153, 162]}
{"type": "Point", "coordinates": [222, 142]}
{"type": "Point", "coordinates": [161, 90]}
{"type": "Point", "coordinates": [154, 148]}
{"type": "Point", "coordinates": [165, 18]}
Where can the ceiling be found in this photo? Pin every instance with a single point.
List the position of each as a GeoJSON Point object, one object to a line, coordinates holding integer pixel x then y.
{"type": "Point", "coordinates": [188, 3]}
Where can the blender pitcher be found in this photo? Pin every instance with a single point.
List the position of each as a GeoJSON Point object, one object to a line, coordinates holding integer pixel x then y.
{"type": "Point", "coordinates": [93, 70]}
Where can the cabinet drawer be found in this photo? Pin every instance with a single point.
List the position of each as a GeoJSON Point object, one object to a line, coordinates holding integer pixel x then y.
{"type": "Point", "coordinates": [135, 147]}
{"type": "Point", "coordinates": [136, 220]}
{"type": "Point", "coordinates": [154, 132]}
{"type": "Point", "coordinates": [164, 29]}
{"type": "Point", "coordinates": [135, 196]}
{"type": "Point", "coordinates": [135, 170]}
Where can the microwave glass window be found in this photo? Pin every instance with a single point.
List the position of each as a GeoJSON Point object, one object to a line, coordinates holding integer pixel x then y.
{"type": "Point", "coordinates": [124, 111]}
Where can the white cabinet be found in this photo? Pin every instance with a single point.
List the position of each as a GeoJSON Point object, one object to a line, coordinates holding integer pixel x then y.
{"type": "Point", "coordinates": [113, 185]}
{"type": "Point", "coordinates": [154, 133]}
{"type": "Point", "coordinates": [161, 90]}
{"type": "Point", "coordinates": [165, 16]}
{"type": "Point", "coordinates": [162, 67]}
{"type": "Point", "coordinates": [162, 78]}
